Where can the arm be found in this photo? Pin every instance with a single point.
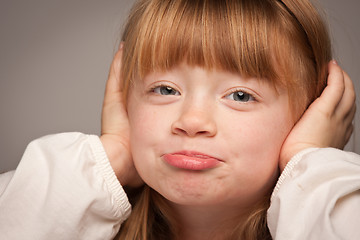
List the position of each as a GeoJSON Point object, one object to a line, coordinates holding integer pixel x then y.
{"type": "Point", "coordinates": [317, 197]}
{"type": "Point", "coordinates": [63, 188]}
{"type": "Point", "coordinates": [318, 193]}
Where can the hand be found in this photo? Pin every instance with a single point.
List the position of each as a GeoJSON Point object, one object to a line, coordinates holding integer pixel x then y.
{"type": "Point", "coordinates": [328, 120]}
{"type": "Point", "coordinates": [115, 130]}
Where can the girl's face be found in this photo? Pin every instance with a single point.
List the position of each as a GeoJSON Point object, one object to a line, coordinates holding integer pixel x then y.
{"type": "Point", "coordinates": [207, 138]}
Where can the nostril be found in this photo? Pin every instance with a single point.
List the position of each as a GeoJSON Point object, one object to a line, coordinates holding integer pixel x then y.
{"type": "Point", "coordinates": [180, 131]}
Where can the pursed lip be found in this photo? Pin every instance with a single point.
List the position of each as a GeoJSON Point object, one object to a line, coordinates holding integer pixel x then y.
{"type": "Point", "coordinates": [191, 160]}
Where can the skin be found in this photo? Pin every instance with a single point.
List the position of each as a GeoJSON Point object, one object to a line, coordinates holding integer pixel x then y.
{"type": "Point", "coordinates": [335, 109]}
{"type": "Point", "coordinates": [328, 120]}
{"type": "Point", "coordinates": [203, 117]}
{"type": "Point", "coordinates": [202, 114]}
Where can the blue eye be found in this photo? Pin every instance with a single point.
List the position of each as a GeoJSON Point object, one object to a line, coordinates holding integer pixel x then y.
{"type": "Point", "coordinates": [165, 90]}
{"type": "Point", "coordinates": [240, 96]}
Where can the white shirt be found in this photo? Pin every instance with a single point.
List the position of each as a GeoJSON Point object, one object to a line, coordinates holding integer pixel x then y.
{"type": "Point", "coordinates": [317, 197]}
{"type": "Point", "coordinates": [65, 188]}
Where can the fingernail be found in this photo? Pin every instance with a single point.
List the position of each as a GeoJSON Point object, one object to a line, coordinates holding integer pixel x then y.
{"type": "Point", "coordinates": [334, 62]}
{"type": "Point", "coordinates": [121, 45]}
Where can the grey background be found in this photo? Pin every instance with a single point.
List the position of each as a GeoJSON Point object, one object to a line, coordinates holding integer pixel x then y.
{"type": "Point", "coordinates": [55, 56]}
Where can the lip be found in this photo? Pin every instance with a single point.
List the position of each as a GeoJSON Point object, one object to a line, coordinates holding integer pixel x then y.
{"type": "Point", "coordinates": [191, 160]}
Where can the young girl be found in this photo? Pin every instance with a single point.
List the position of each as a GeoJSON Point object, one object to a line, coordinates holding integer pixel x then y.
{"type": "Point", "coordinates": [204, 108]}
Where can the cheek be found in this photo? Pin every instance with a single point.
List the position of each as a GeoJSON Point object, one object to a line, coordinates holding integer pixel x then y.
{"type": "Point", "coordinates": [256, 156]}
{"type": "Point", "coordinates": [259, 132]}
{"type": "Point", "coordinates": [258, 139]}
{"type": "Point", "coordinates": [147, 129]}
{"type": "Point", "coordinates": [142, 128]}
{"type": "Point", "coordinates": [140, 138]}
{"type": "Point", "coordinates": [147, 125]}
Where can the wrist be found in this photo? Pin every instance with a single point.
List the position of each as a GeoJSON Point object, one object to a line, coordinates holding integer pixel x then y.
{"type": "Point", "coordinates": [119, 157]}
{"type": "Point", "coordinates": [286, 156]}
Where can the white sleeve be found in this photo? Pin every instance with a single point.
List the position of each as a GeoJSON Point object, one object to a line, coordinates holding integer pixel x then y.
{"type": "Point", "coordinates": [317, 197]}
{"type": "Point", "coordinates": [63, 188]}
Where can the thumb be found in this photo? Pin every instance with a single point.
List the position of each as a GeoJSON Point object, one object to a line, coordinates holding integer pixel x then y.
{"type": "Point", "coordinates": [113, 85]}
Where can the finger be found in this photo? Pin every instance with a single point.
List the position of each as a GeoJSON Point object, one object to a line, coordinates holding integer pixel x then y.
{"type": "Point", "coordinates": [348, 123]}
{"type": "Point", "coordinates": [348, 100]}
{"type": "Point", "coordinates": [113, 82]}
{"type": "Point", "coordinates": [351, 115]}
{"type": "Point", "coordinates": [121, 45]}
{"type": "Point", "coordinates": [333, 92]}
{"type": "Point", "coordinates": [348, 134]}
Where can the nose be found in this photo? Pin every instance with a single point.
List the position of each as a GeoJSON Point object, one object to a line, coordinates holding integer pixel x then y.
{"type": "Point", "coordinates": [194, 121]}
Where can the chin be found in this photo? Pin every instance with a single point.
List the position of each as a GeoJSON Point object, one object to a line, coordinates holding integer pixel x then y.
{"type": "Point", "coordinates": [190, 196]}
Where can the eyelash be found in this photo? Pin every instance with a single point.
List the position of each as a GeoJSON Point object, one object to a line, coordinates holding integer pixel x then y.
{"type": "Point", "coordinates": [153, 89]}
{"type": "Point", "coordinates": [252, 98]}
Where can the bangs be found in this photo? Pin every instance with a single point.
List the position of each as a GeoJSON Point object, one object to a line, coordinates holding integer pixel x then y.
{"type": "Point", "coordinates": [284, 44]}
{"type": "Point", "coordinates": [211, 34]}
